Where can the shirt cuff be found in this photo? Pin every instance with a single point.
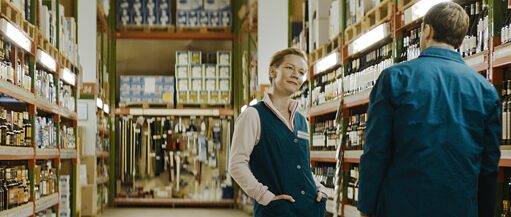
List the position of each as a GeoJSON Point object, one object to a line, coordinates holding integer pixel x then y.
{"type": "Point", "coordinates": [266, 198]}
{"type": "Point", "coordinates": [323, 190]}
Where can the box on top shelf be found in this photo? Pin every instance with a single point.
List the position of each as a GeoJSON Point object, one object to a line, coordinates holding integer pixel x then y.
{"type": "Point", "coordinates": [189, 5]}
{"type": "Point", "coordinates": [124, 12]}
{"type": "Point", "coordinates": [157, 89]}
{"type": "Point", "coordinates": [164, 12]}
{"type": "Point", "coordinates": [196, 71]}
{"type": "Point", "coordinates": [217, 5]}
{"type": "Point", "coordinates": [182, 71]}
{"type": "Point", "coordinates": [182, 58]}
{"type": "Point", "coordinates": [138, 16]}
{"type": "Point", "coordinates": [209, 70]}
{"type": "Point", "coordinates": [224, 58]}
{"type": "Point", "coordinates": [195, 57]}
{"type": "Point", "coordinates": [224, 71]}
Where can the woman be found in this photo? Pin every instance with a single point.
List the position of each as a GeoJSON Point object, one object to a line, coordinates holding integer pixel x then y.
{"type": "Point", "coordinates": [270, 148]}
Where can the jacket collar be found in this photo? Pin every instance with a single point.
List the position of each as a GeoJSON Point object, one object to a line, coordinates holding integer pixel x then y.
{"type": "Point", "coordinates": [444, 53]}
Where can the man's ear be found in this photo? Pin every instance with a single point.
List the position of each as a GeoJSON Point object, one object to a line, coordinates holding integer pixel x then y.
{"type": "Point", "coordinates": [429, 31]}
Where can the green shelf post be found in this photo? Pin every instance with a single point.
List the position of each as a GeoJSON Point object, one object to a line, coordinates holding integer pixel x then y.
{"type": "Point", "coordinates": [113, 92]}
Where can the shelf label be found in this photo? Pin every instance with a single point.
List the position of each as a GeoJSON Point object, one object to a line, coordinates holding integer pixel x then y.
{"type": "Point", "coordinates": [47, 152]}
{"type": "Point", "coordinates": [46, 202]}
{"type": "Point", "coordinates": [68, 154]}
{"type": "Point", "coordinates": [16, 151]}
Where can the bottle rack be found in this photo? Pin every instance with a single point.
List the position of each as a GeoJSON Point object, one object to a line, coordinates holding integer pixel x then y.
{"type": "Point", "coordinates": [40, 55]}
{"type": "Point", "coordinates": [489, 56]}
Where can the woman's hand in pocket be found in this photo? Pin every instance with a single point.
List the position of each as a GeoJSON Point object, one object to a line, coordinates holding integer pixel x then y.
{"type": "Point", "coordinates": [283, 197]}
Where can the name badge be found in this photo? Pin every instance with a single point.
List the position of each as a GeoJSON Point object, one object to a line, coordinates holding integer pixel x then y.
{"type": "Point", "coordinates": [303, 135]}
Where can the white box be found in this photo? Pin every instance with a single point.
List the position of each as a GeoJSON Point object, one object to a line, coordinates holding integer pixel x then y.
{"type": "Point", "coordinates": [196, 71]}
{"type": "Point", "coordinates": [183, 84]}
{"type": "Point", "coordinates": [223, 57]}
{"type": "Point", "coordinates": [209, 70]}
{"type": "Point", "coordinates": [224, 84]}
{"type": "Point", "coordinates": [217, 5]}
{"type": "Point", "coordinates": [181, 18]}
{"type": "Point", "coordinates": [210, 84]}
{"type": "Point", "coordinates": [193, 18]}
{"type": "Point", "coordinates": [182, 71]}
{"type": "Point", "coordinates": [224, 71]}
{"type": "Point", "coordinates": [195, 57]}
{"type": "Point", "coordinates": [182, 58]}
{"type": "Point", "coordinates": [196, 84]}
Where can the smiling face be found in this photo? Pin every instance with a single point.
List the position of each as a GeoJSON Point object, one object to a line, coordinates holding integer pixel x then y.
{"type": "Point", "coordinates": [289, 76]}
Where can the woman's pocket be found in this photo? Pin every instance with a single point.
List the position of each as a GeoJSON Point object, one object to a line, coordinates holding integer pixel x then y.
{"type": "Point", "coordinates": [277, 208]}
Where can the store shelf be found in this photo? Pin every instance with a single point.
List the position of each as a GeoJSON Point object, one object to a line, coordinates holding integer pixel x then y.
{"type": "Point", "coordinates": [324, 108]}
{"type": "Point", "coordinates": [68, 154]}
{"type": "Point", "coordinates": [351, 211]}
{"type": "Point", "coordinates": [323, 156]}
{"type": "Point", "coordinates": [20, 211]}
{"type": "Point", "coordinates": [47, 106]}
{"type": "Point", "coordinates": [46, 202]}
{"type": "Point", "coordinates": [357, 99]}
{"type": "Point", "coordinates": [175, 112]}
{"type": "Point", "coordinates": [42, 153]}
{"type": "Point", "coordinates": [101, 180]}
{"type": "Point", "coordinates": [352, 156]}
{"type": "Point", "coordinates": [65, 113]}
{"type": "Point", "coordinates": [478, 62]}
{"type": "Point", "coordinates": [176, 35]}
{"type": "Point", "coordinates": [502, 55]}
{"type": "Point", "coordinates": [16, 92]}
{"type": "Point", "coordinates": [173, 202]}
{"type": "Point", "coordinates": [16, 153]}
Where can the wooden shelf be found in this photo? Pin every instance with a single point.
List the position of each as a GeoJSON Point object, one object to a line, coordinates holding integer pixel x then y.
{"type": "Point", "coordinates": [68, 154]}
{"type": "Point", "coordinates": [325, 108]}
{"type": "Point", "coordinates": [478, 62]}
{"type": "Point", "coordinates": [173, 202]}
{"type": "Point", "coordinates": [505, 158]}
{"type": "Point", "coordinates": [20, 211]}
{"type": "Point", "coordinates": [16, 153]}
{"type": "Point", "coordinates": [176, 35]}
{"type": "Point", "coordinates": [42, 153]}
{"type": "Point", "coordinates": [175, 112]}
{"type": "Point", "coordinates": [16, 92]}
{"type": "Point", "coordinates": [47, 106]}
{"type": "Point", "coordinates": [502, 55]}
{"type": "Point", "coordinates": [357, 99]}
{"type": "Point", "coordinates": [67, 114]}
{"type": "Point", "coordinates": [323, 156]}
{"type": "Point", "coordinates": [46, 202]}
{"type": "Point", "coordinates": [352, 156]}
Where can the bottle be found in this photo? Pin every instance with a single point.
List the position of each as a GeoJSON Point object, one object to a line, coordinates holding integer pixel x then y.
{"type": "Point", "coordinates": [2, 192]}
{"type": "Point", "coordinates": [28, 129]}
{"type": "Point", "coordinates": [506, 115]}
{"type": "Point", "coordinates": [505, 209]}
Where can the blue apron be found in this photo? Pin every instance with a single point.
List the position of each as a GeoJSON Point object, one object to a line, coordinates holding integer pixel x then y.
{"type": "Point", "coordinates": [281, 161]}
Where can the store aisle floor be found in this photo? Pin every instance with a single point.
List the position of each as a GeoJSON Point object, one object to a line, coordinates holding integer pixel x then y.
{"type": "Point", "coordinates": [174, 212]}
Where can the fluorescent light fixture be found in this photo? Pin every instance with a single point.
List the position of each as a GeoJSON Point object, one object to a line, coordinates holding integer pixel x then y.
{"type": "Point", "coordinates": [67, 76]}
{"type": "Point", "coordinates": [419, 9]}
{"type": "Point", "coordinates": [46, 60]}
{"type": "Point", "coordinates": [327, 62]}
{"type": "Point", "coordinates": [253, 102]}
{"type": "Point", "coordinates": [99, 103]}
{"type": "Point", "coordinates": [15, 35]}
{"type": "Point", "coordinates": [106, 108]}
{"type": "Point", "coordinates": [369, 38]}
{"type": "Point", "coordinates": [243, 108]}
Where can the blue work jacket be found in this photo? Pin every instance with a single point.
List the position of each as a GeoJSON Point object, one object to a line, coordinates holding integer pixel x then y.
{"type": "Point", "coordinates": [432, 140]}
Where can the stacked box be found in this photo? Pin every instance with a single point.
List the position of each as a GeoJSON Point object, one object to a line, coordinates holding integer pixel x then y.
{"type": "Point", "coordinates": [65, 195]}
{"type": "Point", "coordinates": [147, 89]}
{"type": "Point", "coordinates": [124, 12]}
{"type": "Point", "coordinates": [144, 12]}
{"type": "Point", "coordinates": [205, 13]}
{"type": "Point", "coordinates": [198, 82]}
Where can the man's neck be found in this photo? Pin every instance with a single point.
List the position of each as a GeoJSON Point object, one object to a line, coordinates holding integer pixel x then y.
{"type": "Point", "coordinates": [440, 44]}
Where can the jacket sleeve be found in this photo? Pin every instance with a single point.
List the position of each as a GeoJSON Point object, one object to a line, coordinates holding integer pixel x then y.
{"type": "Point", "coordinates": [377, 152]}
{"type": "Point", "coordinates": [246, 133]}
{"type": "Point", "coordinates": [490, 157]}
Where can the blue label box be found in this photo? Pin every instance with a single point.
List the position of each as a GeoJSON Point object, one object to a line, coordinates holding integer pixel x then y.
{"type": "Point", "coordinates": [188, 5]}
{"type": "Point", "coordinates": [163, 12]}
{"type": "Point", "coordinates": [181, 18]}
{"type": "Point", "coordinates": [193, 18]}
{"type": "Point", "coordinates": [214, 18]}
{"type": "Point", "coordinates": [204, 18]}
{"type": "Point", "coordinates": [151, 12]}
{"type": "Point", "coordinates": [138, 16]}
{"type": "Point", "coordinates": [225, 18]}
{"type": "Point", "coordinates": [124, 12]}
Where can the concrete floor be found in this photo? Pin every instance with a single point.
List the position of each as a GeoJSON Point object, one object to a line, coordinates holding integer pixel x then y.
{"type": "Point", "coordinates": [174, 212]}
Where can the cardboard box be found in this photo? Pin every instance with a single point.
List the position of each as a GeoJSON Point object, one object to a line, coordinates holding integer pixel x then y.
{"type": "Point", "coordinates": [89, 200]}
{"type": "Point", "coordinates": [210, 84]}
{"type": "Point", "coordinates": [164, 12]}
{"type": "Point", "coordinates": [138, 15]}
{"type": "Point", "coordinates": [193, 97]}
{"type": "Point", "coordinates": [223, 58]}
{"type": "Point", "coordinates": [183, 84]}
{"type": "Point", "coordinates": [182, 58]}
{"type": "Point", "coordinates": [182, 96]}
{"type": "Point", "coordinates": [196, 71]}
{"type": "Point", "coordinates": [224, 71]}
{"type": "Point", "coordinates": [193, 18]}
{"type": "Point", "coordinates": [209, 70]}
{"type": "Point", "coordinates": [213, 96]}
{"type": "Point", "coordinates": [203, 96]}
{"type": "Point", "coordinates": [196, 84]}
{"type": "Point", "coordinates": [195, 57]}
{"type": "Point", "coordinates": [124, 12]}
{"type": "Point", "coordinates": [214, 18]}
{"type": "Point", "coordinates": [217, 5]}
{"type": "Point", "coordinates": [224, 84]}
{"type": "Point", "coordinates": [224, 97]}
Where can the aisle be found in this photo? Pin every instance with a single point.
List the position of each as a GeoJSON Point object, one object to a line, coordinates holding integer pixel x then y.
{"type": "Point", "coordinates": [176, 212]}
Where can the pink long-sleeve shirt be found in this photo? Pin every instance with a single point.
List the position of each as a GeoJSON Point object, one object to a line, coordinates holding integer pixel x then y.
{"type": "Point", "coordinates": [245, 138]}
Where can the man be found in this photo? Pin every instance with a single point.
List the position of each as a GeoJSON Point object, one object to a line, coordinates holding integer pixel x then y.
{"type": "Point", "coordinates": [433, 131]}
